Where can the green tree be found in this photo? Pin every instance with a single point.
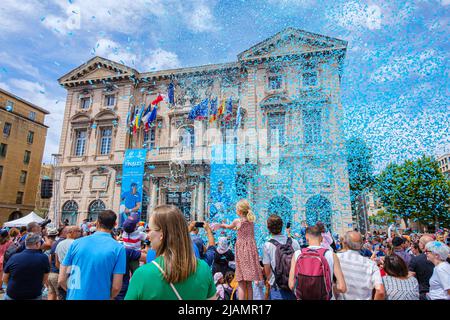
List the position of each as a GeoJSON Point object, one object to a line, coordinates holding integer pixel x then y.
{"type": "Point", "coordinates": [415, 190]}
{"type": "Point", "coordinates": [360, 168]}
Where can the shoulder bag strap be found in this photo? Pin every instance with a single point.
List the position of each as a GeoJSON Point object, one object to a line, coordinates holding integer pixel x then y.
{"type": "Point", "coordinates": [171, 284]}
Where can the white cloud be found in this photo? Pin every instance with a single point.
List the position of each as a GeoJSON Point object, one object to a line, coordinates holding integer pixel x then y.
{"type": "Point", "coordinates": [157, 59]}
{"type": "Point", "coordinates": [201, 19]}
{"type": "Point", "coordinates": [15, 16]}
{"type": "Point", "coordinates": [160, 59]}
{"type": "Point", "coordinates": [5, 86]}
{"type": "Point", "coordinates": [19, 63]}
{"type": "Point", "coordinates": [356, 16]}
{"type": "Point", "coordinates": [423, 64]}
{"type": "Point", "coordinates": [445, 2]}
{"type": "Point", "coordinates": [126, 16]}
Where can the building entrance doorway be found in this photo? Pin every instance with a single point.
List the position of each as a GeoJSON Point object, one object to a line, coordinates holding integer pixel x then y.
{"type": "Point", "coordinates": [182, 200]}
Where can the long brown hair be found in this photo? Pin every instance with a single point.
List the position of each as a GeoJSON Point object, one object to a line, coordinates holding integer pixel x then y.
{"type": "Point", "coordinates": [176, 245]}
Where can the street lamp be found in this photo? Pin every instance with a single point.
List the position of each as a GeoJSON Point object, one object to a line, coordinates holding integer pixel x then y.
{"type": "Point", "coordinates": [56, 157]}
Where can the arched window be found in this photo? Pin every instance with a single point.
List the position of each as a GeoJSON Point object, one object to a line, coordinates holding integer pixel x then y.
{"type": "Point", "coordinates": [318, 208]}
{"type": "Point", "coordinates": [70, 212]}
{"type": "Point", "coordinates": [282, 207]}
{"type": "Point", "coordinates": [95, 208]}
{"type": "Point", "coordinates": [186, 137]}
{"type": "Point", "coordinates": [15, 215]}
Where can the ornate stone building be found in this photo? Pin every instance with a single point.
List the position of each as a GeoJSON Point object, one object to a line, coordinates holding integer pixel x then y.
{"type": "Point", "coordinates": [288, 88]}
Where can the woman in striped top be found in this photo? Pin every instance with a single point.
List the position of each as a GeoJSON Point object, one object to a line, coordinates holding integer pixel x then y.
{"type": "Point", "coordinates": [397, 284]}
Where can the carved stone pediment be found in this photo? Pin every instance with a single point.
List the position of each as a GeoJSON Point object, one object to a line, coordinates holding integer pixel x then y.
{"type": "Point", "coordinates": [291, 41]}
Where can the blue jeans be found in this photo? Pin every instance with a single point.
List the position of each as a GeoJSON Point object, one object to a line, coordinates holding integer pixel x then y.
{"type": "Point", "coordinates": [280, 294]}
{"type": "Point", "coordinates": [6, 297]}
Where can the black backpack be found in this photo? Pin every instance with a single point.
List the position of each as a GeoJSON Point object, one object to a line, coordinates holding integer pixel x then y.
{"type": "Point", "coordinates": [283, 258]}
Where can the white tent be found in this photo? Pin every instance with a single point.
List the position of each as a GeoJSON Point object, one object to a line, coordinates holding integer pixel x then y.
{"type": "Point", "coordinates": [31, 217]}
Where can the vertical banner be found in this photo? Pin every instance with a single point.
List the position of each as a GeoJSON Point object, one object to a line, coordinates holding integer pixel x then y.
{"type": "Point", "coordinates": [222, 196]}
{"type": "Point", "coordinates": [132, 177]}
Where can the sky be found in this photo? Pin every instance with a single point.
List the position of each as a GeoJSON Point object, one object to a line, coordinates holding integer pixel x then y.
{"type": "Point", "coordinates": [394, 88]}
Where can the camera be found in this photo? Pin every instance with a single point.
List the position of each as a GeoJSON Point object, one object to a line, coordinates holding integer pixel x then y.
{"type": "Point", "coordinates": [199, 224]}
{"type": "Point", "coordinates": [44, 223]}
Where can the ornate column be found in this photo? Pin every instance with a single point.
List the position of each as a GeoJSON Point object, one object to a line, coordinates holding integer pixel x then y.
{"type": "Point", "coordinates": [201, 201]}
{"type": "Point", "coordinates": [193, 203]}
{"type": "Point", "coordinates": [153, 196]}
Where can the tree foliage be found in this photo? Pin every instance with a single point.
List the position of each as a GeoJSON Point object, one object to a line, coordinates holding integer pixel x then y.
{"type": "Point", "coordinates": [415, 191]}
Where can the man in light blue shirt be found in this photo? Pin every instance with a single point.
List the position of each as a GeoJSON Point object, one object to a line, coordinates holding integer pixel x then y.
{"type": "Point", "coordinates": [96, 264]}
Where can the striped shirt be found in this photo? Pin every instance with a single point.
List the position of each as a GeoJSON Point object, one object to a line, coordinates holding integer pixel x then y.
{"type": "Point", "coordinates": [401, 289]}
{"type": "Point", "coordinates": [361, 276]}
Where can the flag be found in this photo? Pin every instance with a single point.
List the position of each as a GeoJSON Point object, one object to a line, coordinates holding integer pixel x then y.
{"type": "Point", "coordinates": [171, 93]}
{"type": "Point", "coordinates": [202, 111]}
{"type": "Point", "coordinates": [229, 109]}
{"type": "Point", "coordinates": [146, 115]}
{"type": "Point", "coordinates": [193, 112]}
{"type": "Point", "coordinates": [213, 110]}
{"type": "Point", "coordinates": [133, 121]}
{"type": "Point", "coordinates": [158, 99]}
{"type": "Point", "coordinates": [238, 118]}
{"type": "Point", "coordinates": [152, 117]}
{"type": "Point", "coordinates": [221, 108]}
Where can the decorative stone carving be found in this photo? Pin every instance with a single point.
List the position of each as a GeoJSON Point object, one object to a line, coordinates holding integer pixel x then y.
{"type": "Point", "coordinates": [177, 170]}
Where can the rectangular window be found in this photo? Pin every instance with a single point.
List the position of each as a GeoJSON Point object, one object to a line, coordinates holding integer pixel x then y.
{"type": "Point", "coordinates": [19, 198]}
{"type": "Point", "coordinates": [276, 128]}
{"type": "Point", "coordinates": [32, 115]}
{"type": "Point", "coordinates": [30, 137]}
{"type": "Point", "coordinates": [3, 149]}
{"type": "Point", "coordinates": [7, 129]}
{"type": "Point", "coordinates": [312, 126]}
{"type": "Point", "coordinates": [110, 100]}
{"type": "Point", "coordinates": [275, 82]}
{"type": "Point", "coordinates": [105, 141]}
{"type": "Point", "coordinates": [23, 177]}
{"type": "Point", "coordinates": [10, 104]}
{"type": "Point", "coordinates": [1, 171]}
{"type": "Point", "coordinates": [27, 157]}
{"type": "Point", "coordinates": [80, 142]}
{"type": "Point", "coordinates": [310, 76]}
{"type": "Point", "coordinates": [85, 103]}
{"type": "Point", "coordinates": [150, 138]}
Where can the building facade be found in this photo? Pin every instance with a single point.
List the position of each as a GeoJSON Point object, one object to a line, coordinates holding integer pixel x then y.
{"type": "Point", "coordinates": [288, 130]}
{"type": "Point", "coordinates": [444, 164]}
{"type": "Point", "coordinates": [22, 144]}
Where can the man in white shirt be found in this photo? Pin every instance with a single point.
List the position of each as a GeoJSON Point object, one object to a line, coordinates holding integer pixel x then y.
{"type": "Point", "coordinates": [275, 227]}
{"type": "Point", "coordinates": [361, 274]}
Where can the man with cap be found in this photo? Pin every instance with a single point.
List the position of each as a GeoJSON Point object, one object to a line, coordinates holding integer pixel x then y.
{"type": "Point", "coordinates": [26, 272]}
{"type": "Point", "coordinates": [131, 202]}
{"type": "Point", "coordinates": [398, 249]}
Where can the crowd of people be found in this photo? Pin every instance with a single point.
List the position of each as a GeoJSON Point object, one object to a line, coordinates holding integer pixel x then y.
{"type": "Point", "coordinates": [173, 259]}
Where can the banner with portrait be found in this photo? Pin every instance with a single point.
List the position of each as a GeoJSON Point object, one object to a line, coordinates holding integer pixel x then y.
{"type": "Point", "coordinates": [132, 189]}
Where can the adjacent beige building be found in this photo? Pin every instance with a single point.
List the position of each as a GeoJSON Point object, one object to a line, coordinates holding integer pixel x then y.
{"type": "Point", "coordinates": [288, 87]}
{"type": "Point", "coordinates": [22, 142]}
{"type": "Point", "coordinates": [444, 164]}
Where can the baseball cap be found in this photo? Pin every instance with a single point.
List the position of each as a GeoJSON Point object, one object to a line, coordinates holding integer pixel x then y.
{"type": "Point", "coordinates": [129, 225]}
{"type": "Point", "coordinates": [217, 277]}
{"type": "Point", "coordinates": [397, 241]}
{"type": "Point", "coordinates": [3, 233]}
{"type": "Point", "coordinates": [52, 232]}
